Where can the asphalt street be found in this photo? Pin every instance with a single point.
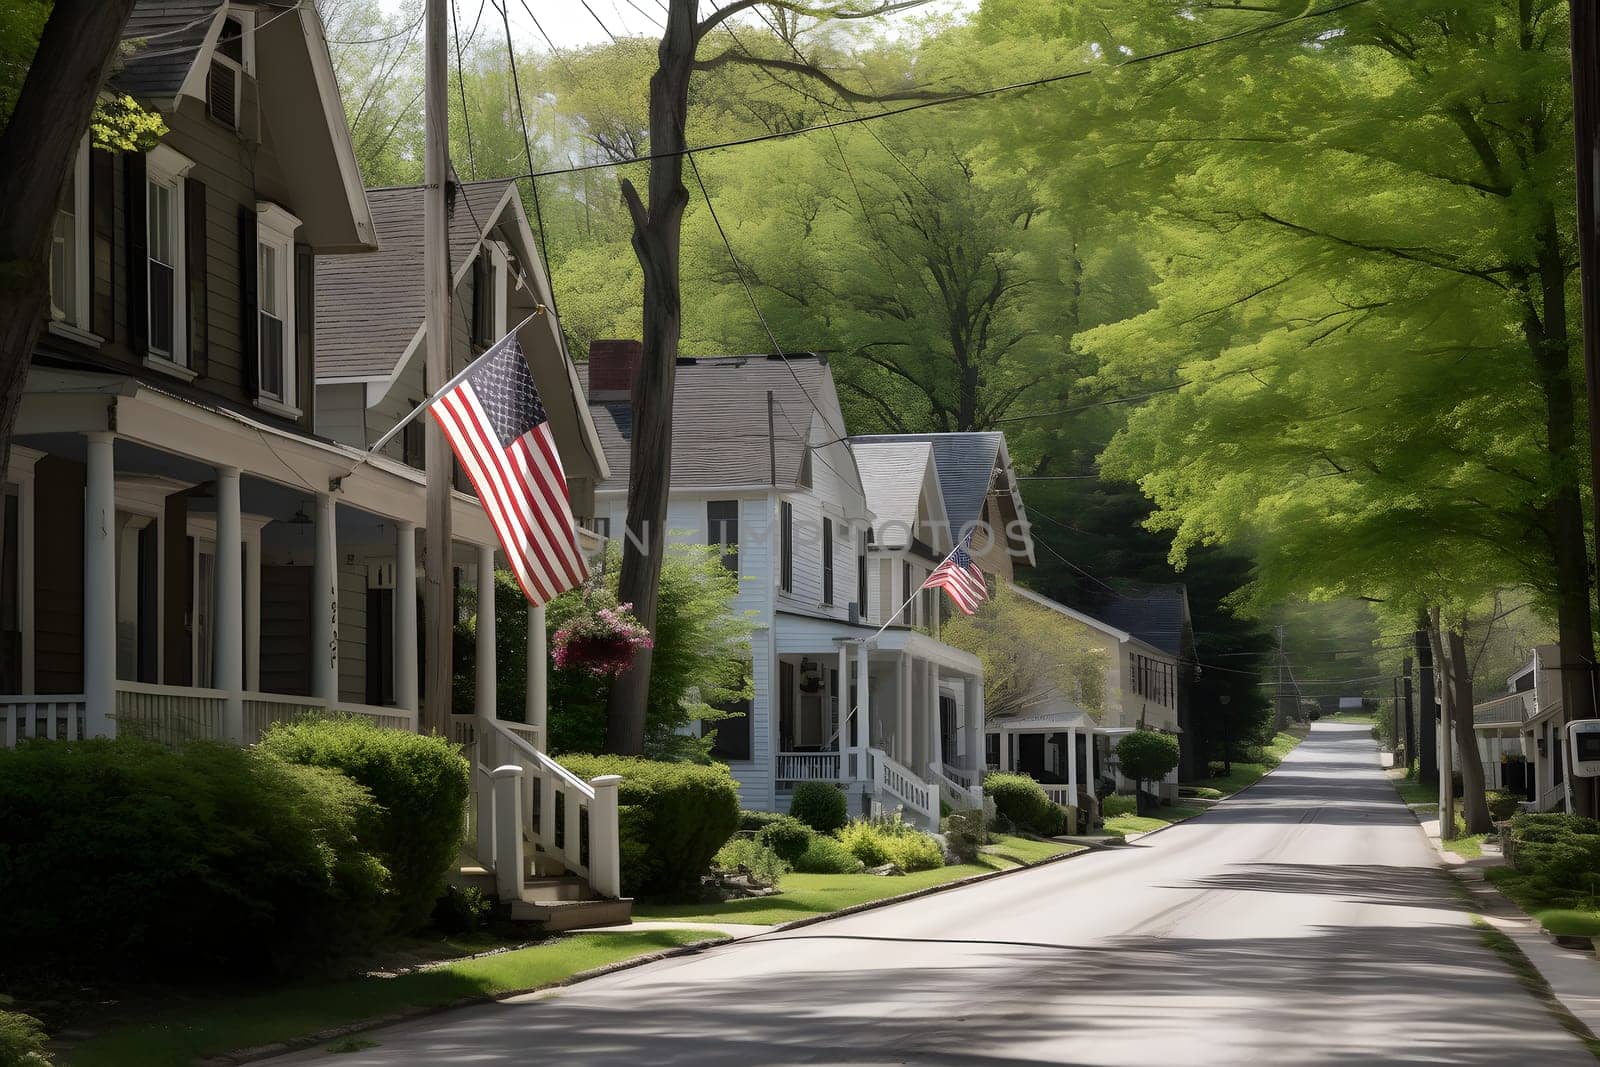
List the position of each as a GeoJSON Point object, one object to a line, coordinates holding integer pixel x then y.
{"type": "Point", "coordinates": [1305, 921]}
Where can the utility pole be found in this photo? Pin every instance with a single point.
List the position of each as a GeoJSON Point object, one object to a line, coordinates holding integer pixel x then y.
{"type": "Point", "coordinates": [1447, 768]}
{"type": "Point", "coordinates": [1585, 26]}
{"type": "Point", "coordinates": [1395, 737]}
{"type": "Point", "coordinates": [1411, 740]}
{"type": "Point", "coordinates": [1280, 716]}
{"type": "Point", "coordinates": [438, 587]}
{"type": "Point", "coordinates": [1427, 726]}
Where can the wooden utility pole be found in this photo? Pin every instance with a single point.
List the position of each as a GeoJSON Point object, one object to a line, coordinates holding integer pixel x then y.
{"type": "Point", "coordinates": [1427, 726]}
{"type": "Point", "coordinates": [1585, 27]}
{"type": "Point", "coordinates": [1411, 739]}
{"type": "Point", "coordinates": [439, 589]}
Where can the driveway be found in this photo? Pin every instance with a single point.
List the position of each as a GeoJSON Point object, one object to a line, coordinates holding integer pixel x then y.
{"type": "Point", "coordinates": [1304, 922]}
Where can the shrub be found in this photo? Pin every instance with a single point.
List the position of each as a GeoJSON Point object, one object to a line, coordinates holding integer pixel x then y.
{"type": "Point", "coordinates": [762, 864]}
{"type": "Point", "coordinates": [866, 841]}
{"type": "Point", "coordinates": [963, 832]}
{"type": "Point", "coordinates": [673, 818]}
{"type": "Point", "coordinates": [1147, 755]}
{"type": "Point", "coordinates": [788, 837]}
{"type": "Point", "coordinates": [1550, 824]}
{"type": "Point", "coordinates": [878, 841]}
{"type": "Point", "coordinates": [1022, 803]}
{"type": "Point", "coordinates": [827, 855]}
{"type": "Point", "coordinates": [119, 855]}
{"type": "Point", "coordinates": [1502, 805]}
{"type": "Point", "coordinates": [915, 852]}
{"type": "Point", "coordinates": [22, 1041]}
{"type": "Point", "coordinates": [752, 821]}
{"type": "Point", "coordinates": [819, 805]}
{"type": "Point", "coordinates": [461, 911]}
{"type": "Point", "coordinates": [420, 785]}
{"type": "Point", "coordinates": [1118, 804]}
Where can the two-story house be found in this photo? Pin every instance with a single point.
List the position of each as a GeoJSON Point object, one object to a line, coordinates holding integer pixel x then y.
{"type": "Point", "coordinates": [1520, 734]}
{"type": "Point", "coordinates": [762, 465]}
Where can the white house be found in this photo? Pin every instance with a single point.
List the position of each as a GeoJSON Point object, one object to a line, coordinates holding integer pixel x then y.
{"type": "Point", "coordinates": [761, 465]}
{"type": "Point", "coordinates": [1519, 734]}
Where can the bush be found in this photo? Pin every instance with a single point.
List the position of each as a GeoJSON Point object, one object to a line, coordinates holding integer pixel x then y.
{"type": "Point", "coordinates": [461, 911]}
{"type": "Point", "coordinates": [1147, 755]}
{"type": "Point", "coordinates": [866, 841]}
{"type": "Point", "coordinates": [1502, 805]}
{"type": "Point", "coordinates": [673, 818]}
{"type": "Point", "coordinates": [880, 841]}
{"type": "Point", "coordinates": [826, 855]}
{"type": "Point", "coordinates": [788, 837]}
{"type": "Point", "coordinates": [1118, 804]}
{"type": "Point", "coordinates": [420, 785]}
{"type": "Point", "coordinates": [22, 1041]}
{"type": "Point", "coordinates": [963, 833]}
{"type": "Point", "coordinates": [915, 852]}
{"type": "Point", "coordinates": [752, 821]}
{"type": "Point", "coordinates": [1021, 802]}
{"type": "Point", "coordinates": [122, 856]}
{"type": "Point", "coordinates": [819, 805]}
{"type": "Point", "coordinates": [762, 864]}
{"type": "Point", "coordinates": [1561, 851]}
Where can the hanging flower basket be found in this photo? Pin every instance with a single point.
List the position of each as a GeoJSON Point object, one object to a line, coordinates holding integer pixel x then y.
{"type": "Point", "coordinates": [602, 642]}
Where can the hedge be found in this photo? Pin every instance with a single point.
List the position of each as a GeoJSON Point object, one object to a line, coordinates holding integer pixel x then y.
{"type": "Point", "coordinates": [788, 837]}
{"type": "Point", "coordinates": [122, 858]}
{"type": "Point", "coordinates": [1561, 851]}
{"type": "Point", "coordinates": [1022, 803]}
{"type": "Point", "coordinates": [420, 785]}
{"type": "Point", "coordinates": [674, 817]}
{"type": "Point", "coordinates": [878, 841]}
{"type": "Point", "coordinates": [819, 805]}
{"type": "Point", "coordinates": [827, 855]}
{"type": "Point", "coordinates": [1119, 804]}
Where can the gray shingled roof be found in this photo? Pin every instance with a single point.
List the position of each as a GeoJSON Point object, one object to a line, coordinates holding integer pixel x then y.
{"type": "Point", "coordinates": [965, 462]}
{"type": "Point", "coordinates": [166, 35]}
{"type": "Point", "coordinates": [1157, 617]}
{"type": "Point", "coordinates": [891, 474]}
{"type": "Point", "coordinates": [719, 420]}
{"type": "Point", "coordinates": [370, 304]}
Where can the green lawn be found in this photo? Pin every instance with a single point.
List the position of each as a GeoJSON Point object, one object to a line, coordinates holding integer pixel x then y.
{"type": "Point", "coordinates": [1414, 792]}
{"type": "Point", "coordinates": [1468, 845]}
{"type": "Point", "coordinates": [208, 1026]}
{"type": "Point", "coordinates": [1560, 912]}
{"type": "Point", "coordinates": [1242, 774]}
{"type": "Point", "coordinates": [805, 895]}
{"type": "Point", "coordinates": [1028, 850]}
{"type": "Point", "coordinates": [1143, 824]}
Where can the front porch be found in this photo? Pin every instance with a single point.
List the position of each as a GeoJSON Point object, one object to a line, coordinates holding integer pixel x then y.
{"type": "Point", "coordinates": [895, 721]}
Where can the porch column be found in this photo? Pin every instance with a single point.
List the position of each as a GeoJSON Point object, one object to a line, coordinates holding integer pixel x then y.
{"type": "Point", "coordinates": [862, 710]}
{"type": "Point", "coordinates": [100, 588]}
{"type": "Point", "coordinates": [972, 744]}
{"type": "Point", "coordinates": [1005, 749]}
{"type": "Point", "coordinates": [483, 672]}
{"type": "Point", "coordinates": [228, 653]}
{"type": "Point", "coordinates": [325, 603]}
{"type": "Point", "coordinates": [538, 707]}
{"type": "Point", "coordinates": [405, 616]}
{"type": "Point", "coordinates": [252, 612]}
{"type": "Point", "coordinates": [1072, 764]}
{"type": "Point", "coordinates": [935, 747]}
{"type": "Point", "coordinates": [845, 724]}
{"type": "Point", "coordinates": [902, 733]}
{"type": "Point", "coordinates": [25, 571]}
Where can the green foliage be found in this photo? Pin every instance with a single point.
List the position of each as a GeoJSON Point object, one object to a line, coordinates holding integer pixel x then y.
{"type": "Point", "coordinates": [820, 805]}
{"type": "Point", "coordinates": [120, 124]}
{"type": "Point", "coordinates": [915, 852]}
{"type": "Point", "coordinates": [754, 858]}
{"type": "Point", "coordinates": [1118, 804]}
{"type": "Point", "coordinates": [964, 834]}
{"type": "Point", "coordinates": [461, 911]}
{"type": "Point", "coordinates": [878, 841]}
{"type": "Point", "coordinates": [209, 860]}
{"type": "Point", "coordinates": [788, 837]}
{"type": "Point", "coordinates": [1502, 805]}
{"type": "Point", "coordinates": [756, 820]}
{"type": "Point", "coordinates": [673, 818]}
{"type": "Point", "coordinates": [22, 1041]}
{"type": "Point", "coordinates": [1031, 655]}
{"type": "Point", "coordinates": [866, 840]}
{"type": "Point", "coordinates": [420, 786]}
{"type": "Point", "coordinates": [1147, 755]}
{"type": "Point", "coordinates": [1560, 852]}
{"type": "Point", "coordinates": [1022, 803]}
{"type": "Point", "coordinates": [827, 855]}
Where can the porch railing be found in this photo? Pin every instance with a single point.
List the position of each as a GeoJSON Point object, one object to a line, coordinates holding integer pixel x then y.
{"type": "Point", "coordinates": [1060, 794]}
{"type": "Point", "coordinates": [170, 714]}
{"type": "Point", "coordinates": [463, 730]}
{"type": "Point", "coordinates": [899, 783]}
{"type": "Point", "coordinates": [808, 767]}
{"type": "Point", "coordinates": [953, 790]}
{"type": "Point", "coordinates": [50, 715]}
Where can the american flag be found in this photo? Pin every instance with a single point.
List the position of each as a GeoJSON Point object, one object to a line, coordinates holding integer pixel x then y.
{"type": "Point", "coordinates": [492, 416]}
{"type": "Point", "coordinates": [961, 578]}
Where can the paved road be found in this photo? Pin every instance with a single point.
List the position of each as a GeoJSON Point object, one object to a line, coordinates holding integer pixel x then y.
{"type": "Point", "coordinates": [1304, 922]}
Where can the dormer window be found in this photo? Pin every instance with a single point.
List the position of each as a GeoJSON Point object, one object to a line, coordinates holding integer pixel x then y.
{"type": "Point", "coordinates": [231, 59]}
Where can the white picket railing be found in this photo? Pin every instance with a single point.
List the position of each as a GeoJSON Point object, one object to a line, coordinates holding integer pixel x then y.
{"type": "Point", "coordinates": [261, 710]}
{"type": "Point", "coordinates": [965, 777]}
{"type": "Point", "coordinates": [572, 821]}
{"type": "Point", "coordinates": [952, 790]}
{"type": "Point", "coordinates": [49, 715]}
{"type": "Point", "coordinates": [170, 714]}
{"type": "Point", "coordinates": [808, 767]}
{"type": "Point", "coordinates": [896, 780]}
{"type": "Point", "coordinates": [464, 731]}
{"type": "Point", "coordinates": [1059, 794]}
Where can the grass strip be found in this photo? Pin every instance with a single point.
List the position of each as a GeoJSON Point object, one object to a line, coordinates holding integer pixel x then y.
{"type": "Point", "coordinates": [212, 1026]}
{"type": "Point", "coordinates": [1026, 851]}
{"type": "Point", "coordinates": [1143, 824]}
{"type": "Point", "coordinates": [1528, 975]}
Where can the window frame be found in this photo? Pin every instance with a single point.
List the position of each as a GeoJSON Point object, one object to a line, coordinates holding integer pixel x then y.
{"type": "Point", "coordinates": [74, 321]}
{"type": "Point", "coordinates": [167, 168]}
{"type": "Point", "coordinates": [827, 561]}
{"type": "Point", "coordinates": [718, 533]}
{"type": "Point", "coordinates": [275, 229]}
{"type": "Point", "coordinates": [786, 546]}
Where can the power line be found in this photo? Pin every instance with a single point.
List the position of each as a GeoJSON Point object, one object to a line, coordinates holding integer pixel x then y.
{"type": "Point", "coordinates": [958, 98]}
{"type": "Point", "coordinates": [461, 83]}
{"type": "Point", "coordinates": [543, 251]}
{"type": "Point", "coordinates": [603, 26]}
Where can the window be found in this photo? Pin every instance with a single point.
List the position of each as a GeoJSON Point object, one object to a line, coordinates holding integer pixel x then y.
{"type": "Point", "coordinates": [905, 593]}
{"type": "Point", "coordinates": [69, 247]}
{"type": "Point", "coordinates": [231, 59]}
{"type": "Point", "coordinates": [722, 528]}
{"type": "Point", "coordinates": [164, 256]}
{"type": "Point", "coordinates": [827, 561]}
{"type": "Point", "coordinates": [733, 734]}
{"type": "Point", "coordinates": [482, 302]}
{"type": "Point", "coordinates": [786, 546]}
{"type": "Point", "coordinates": [861, 574]}
{"type": "Point", "coordinates": [413, 442]}
{"type": "Point", "coordinates": [275, 348]}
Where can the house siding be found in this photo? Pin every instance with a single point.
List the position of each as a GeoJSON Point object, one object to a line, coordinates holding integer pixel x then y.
{"type": "Point", "coordinates": [58, 575]}
{"type": "Point", "coordinates": [353, 632]}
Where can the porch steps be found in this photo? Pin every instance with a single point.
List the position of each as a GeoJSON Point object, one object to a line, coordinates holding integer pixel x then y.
{"type": "Point", "coordinates": [557, 902]}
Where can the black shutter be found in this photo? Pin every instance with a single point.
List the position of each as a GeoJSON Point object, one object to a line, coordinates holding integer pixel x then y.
{"type": "Point", "coordinates": [138, 239]}
{"type": "Point", "coordinates": [194, 271]}
{"type": "Point", "coordinates": [305, 332]}
{"type": "Point", "coordinates": [102, 228]}
{"type": "Point", "coordinates": [248, 318]}
{"type": "Point", "coordinates": [479, 301]}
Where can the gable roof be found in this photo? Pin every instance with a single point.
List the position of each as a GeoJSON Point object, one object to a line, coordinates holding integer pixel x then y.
{"type": "Point", "coordinates": [893, 474]}
{"type": "Point", "coordinates": [1159, 617]}
{"type": "Point", "coordinates": [1088, 620]}
{"type": "Point", "coordinates": [166, 36]}
{"type": "Point", "coordinates": [720, 422]}
{"type": "Point", "coordinates": [371, 305]}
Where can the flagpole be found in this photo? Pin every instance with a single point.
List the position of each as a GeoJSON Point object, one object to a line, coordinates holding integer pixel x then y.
{"type": "Point", "coordinates": [901, 609]}
{"type": "Point", "coordinates": [437, 586]}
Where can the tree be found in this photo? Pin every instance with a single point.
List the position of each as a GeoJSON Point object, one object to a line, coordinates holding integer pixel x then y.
{"type": "Point", "coordinates": [40, 140]}
{"type": "Point", "coordinates": [1031, 656]}
{"type": "Point", "coordinates": [1147, 756]}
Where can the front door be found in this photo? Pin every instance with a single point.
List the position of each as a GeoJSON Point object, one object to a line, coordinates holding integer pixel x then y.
{"type": "Point", "coordinates": [1030, 755]}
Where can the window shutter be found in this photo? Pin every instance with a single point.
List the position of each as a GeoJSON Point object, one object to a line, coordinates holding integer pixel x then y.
{"type": "Point", "coordinates": [102, 223]}
{"type": "Point", "coordinates": [479, 299]}
{"type": "Point", "coordinates": [222, 94]}
{"type": "Point", "coordinates": [249, 321]}
{"type": "Point", "coordinates": [194, 269]}
{"type": "Point", "coordinates": [138, 241]}
{"type": "Point", "coordinates": [305, 332]}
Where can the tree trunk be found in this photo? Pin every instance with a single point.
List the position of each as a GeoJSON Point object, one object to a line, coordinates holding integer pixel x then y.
{"type": "Point", "coordinates": [1447, 717]}
{"type": "Point", "coordinates": [1474, 805]}
{"type": "Point", "coordinates": [1427, 726]}
{"type": "Point", "coordinates": [38, 145]}
{"type": "Point", "coordinates": [656, 235]}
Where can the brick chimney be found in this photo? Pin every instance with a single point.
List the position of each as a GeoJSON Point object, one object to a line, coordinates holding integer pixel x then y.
{"type": "Point", "coordinates": [612, 365]}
